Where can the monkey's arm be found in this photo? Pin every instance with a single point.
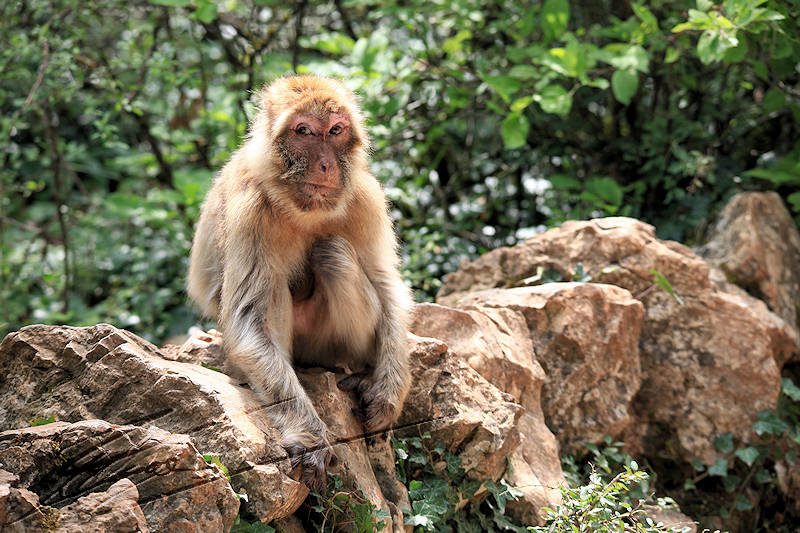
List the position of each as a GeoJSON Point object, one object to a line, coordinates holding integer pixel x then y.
{"type": "Point", "coordinates": [388, 386]}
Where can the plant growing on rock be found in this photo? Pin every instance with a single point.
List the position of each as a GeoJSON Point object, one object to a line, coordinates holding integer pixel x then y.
{"type": "Point", "coordinates": [442, 497]}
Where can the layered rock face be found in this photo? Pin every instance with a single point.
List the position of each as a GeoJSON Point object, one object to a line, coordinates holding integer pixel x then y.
{"type": "Point", "coordinates": [710, 358]}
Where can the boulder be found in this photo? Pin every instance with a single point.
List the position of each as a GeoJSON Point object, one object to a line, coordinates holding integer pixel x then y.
{"type": "Point", "coordinates": [355, 454]}
{"type": "Point", "coordinates": [710, 362]}
{"type": "Point", "coordinates": [586, 338]}
{"type": "Point", "coordinates": [96, 476]}
{"type": "Point", "coordinates": [495, 343]}
{"type": "Point", "coordinates": [457, 406]}
{"type": "Point", "coordinates": [105, 373]}
{"type": "Point", "coordinates": [756, 243]}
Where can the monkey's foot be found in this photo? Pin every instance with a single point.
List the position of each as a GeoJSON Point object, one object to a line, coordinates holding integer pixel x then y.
{"type": "Point", "coordinates": [314, 462]}
{"type": "Point", "coordinates": [377, 410]}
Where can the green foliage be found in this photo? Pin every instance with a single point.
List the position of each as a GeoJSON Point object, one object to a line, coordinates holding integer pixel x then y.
{"type": "Point", "coordinates": [243, 526]}
{"type": "Point", "coordinates": [442, 497]}
{"type": "Point", "coordinates": [603, 506]}
{"type": "Point", "coordinates": [751, 465]}
{"type": "Point", "coordinates": [490, 121]}
{"type": "Point", "coordinates": [342, 510]}
{"type": "Point", "coordinates": [214, 460]}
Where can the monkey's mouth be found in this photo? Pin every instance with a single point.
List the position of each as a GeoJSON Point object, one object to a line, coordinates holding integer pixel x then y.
{"type": "Point", "coordinates": [316, 196]}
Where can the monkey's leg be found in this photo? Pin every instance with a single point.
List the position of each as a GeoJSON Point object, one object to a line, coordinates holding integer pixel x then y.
{"type": "Point", "coordinates": [256, 319]}
{"type": "Point", "coordinates": [348, 307]}
{"type": "Point", "coordinates": [368, 313]}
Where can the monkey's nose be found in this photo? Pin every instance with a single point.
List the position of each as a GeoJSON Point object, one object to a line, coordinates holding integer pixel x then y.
{"type": "Point", "coordinates": [323, 165]}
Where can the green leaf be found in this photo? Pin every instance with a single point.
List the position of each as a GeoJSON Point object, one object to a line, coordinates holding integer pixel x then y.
{"type": "Point", "coordinates": [769, 423]}
{"type": "Point", "coordinates": [630, 58]}
{"type": "Point", "coordinates": [664, 284]}
{"type": "Point", "coordinates": [521, 103]}
{"type": "Point", "coordinates": [515, 130]}
{"type": "Point", "coordinates": [743, 504]}
{"type": "Point", "coordinates": [454, 44]}
{"type": "Point", "coordinates": [564, 182]}
{"type": "Point", "coordinates": [554, 18]}
{"type": "Point", "coordinates": [646, 16]}
{"type": "Point", "coordinates": [724, 442]}
{"type": "Point", "coordinates": [774, 100]}
{"type": "Point", "coordinates": [731, 482]}
{"type": "Point", "coordinates": [713, 43]}
{"type": "Point", "coordinates": [671, 55]}
{"type": "Point", "coordinates": [505, 86]}
{"type": "Point", "coordinates": [794, 200]}
{"type": "Point", "coordinates": [719, 468]}
{"type": "Point", "coordinates": [789, 388]}
{"type": "Point", "coordinates": [554, 99]}
{"type": "Point", "coordinates": [524, 72]}
{"type": "Point", "coordinates": [624, 84]}
{"type": "Point", "coordinates": [606, 189]}
{"type": "Point", "coordinates": [747, 455]}
{"type": "Point", "coordinates": [206, 11]}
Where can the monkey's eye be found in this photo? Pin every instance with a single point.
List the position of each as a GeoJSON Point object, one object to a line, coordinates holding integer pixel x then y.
{"type": "Point", "coordinates": [336, 130]}
{"type": "Point", "coordinates": [303, 130]}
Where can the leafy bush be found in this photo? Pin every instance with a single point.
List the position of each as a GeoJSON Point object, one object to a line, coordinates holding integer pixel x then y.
{"type": "Point", "coordinates": [603, 506]}
{"type": "Point", "coordinates": [490, 121]}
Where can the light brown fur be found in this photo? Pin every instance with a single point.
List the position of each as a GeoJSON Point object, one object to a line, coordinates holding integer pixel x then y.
{"type": "Point", "coordinates": [253, 239]}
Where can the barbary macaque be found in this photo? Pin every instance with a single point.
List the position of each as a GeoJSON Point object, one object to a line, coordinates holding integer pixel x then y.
{"type": "Point", "coordinates": [295, 257]}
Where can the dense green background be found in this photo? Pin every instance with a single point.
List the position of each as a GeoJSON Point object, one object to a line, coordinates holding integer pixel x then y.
{"type": "Point", "coordinates": [490, 121]}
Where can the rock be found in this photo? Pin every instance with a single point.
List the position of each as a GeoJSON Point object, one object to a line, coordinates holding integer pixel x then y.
{"type": "Point", "coordinates": [106, 373]}
{"type": "Point", "coordinates": [474, 419]}
{"type": "Point", "coordinates": [346, 434]}
{"type": "Point", "coordinates": [670, 519]}
{"type": "Point", "coordinates": [709, 366]}
{"type": "Point", "coordinates": [20, 511]}
{"type": "Point", "coordinates": [586, 338]}
{"type": "Point", "coordinates": [64, 464]}
{"type": "Point", "coordinates": [365, 468]}
{"type": "Point", "coordinates": [115, 510]}
{"type": "Point", "coordinates": [201, 348]}
{"type": "Point", "coordinates": [495, 343]}
{"type": "Point", "coordinates": [756, 243]}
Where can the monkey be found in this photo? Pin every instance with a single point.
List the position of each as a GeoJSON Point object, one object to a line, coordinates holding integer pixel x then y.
{"type": "Point", "coordinates": [296, 258]}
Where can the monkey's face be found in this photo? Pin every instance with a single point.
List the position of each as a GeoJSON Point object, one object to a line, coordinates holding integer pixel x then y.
{"type": "Point", "coordinates": [315, 152]}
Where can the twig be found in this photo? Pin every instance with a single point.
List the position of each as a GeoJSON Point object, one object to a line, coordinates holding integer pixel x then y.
{"type": "Point", "coordinates": [298, 32]}
{"type": "Point", "coordinates": [61, 204]}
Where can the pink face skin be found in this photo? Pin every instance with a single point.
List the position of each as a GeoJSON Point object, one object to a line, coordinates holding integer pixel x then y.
{"type": "Point", "coordinates": [324, 142]}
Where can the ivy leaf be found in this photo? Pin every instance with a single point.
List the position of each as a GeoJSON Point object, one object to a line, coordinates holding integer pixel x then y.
{"type": "Point", "coordinates": [719, 468]}
{"type": "Point", "coordinates": [790, 389]}
{"type": "Point", "coordinates": [515, 130]}
{"type": "Point", "coordinates": [747, 455]}
{"type": "Point", "coordinates": [724, 442]}
{"type": "Point", "coordinates": [624, 84]}
{"type": "Point", "coordinates": [743, 504]}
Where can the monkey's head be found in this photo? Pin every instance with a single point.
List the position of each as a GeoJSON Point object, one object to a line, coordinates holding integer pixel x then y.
{"type": "Point", "coordinates": [310, 139]}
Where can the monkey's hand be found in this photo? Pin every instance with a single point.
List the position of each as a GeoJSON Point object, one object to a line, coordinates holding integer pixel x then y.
{"type": "Point", "coordinates": [314, 461]}
{"type": "Point", "coordinates": [379, 408]}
